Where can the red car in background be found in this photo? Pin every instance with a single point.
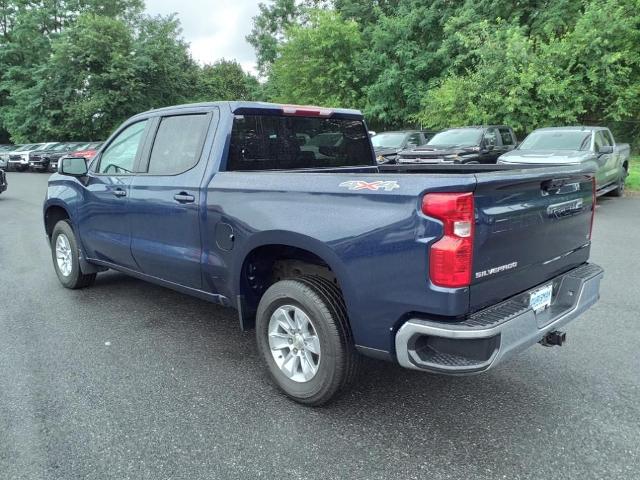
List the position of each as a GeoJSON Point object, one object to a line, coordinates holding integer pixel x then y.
{"type": "Point", "coordinates": [88, 151]}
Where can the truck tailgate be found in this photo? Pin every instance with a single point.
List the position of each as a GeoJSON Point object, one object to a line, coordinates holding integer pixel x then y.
{"type": "Point", "coordinates": [531, 225]}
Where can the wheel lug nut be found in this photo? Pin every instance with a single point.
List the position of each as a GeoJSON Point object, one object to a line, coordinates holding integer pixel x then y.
{"type": "Point", "coordinates": [290, 340]}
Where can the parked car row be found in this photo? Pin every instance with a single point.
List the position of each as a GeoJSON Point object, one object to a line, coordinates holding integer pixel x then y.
{"type": "Point", "coordinates": [43, 157]}
{"type": "Point", "coordinates": [591, 147]}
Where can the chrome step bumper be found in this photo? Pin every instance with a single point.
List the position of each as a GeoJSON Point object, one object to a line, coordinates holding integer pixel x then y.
{"type": "Point", "coordinates": [496, 333]}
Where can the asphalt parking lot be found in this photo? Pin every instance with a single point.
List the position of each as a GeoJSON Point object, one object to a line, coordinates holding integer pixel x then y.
{"type": "Point", "coordinates": [131, 380]}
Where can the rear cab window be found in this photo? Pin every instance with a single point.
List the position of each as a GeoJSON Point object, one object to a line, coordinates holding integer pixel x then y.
{"type": "Point", "coordinates": [271, 142]}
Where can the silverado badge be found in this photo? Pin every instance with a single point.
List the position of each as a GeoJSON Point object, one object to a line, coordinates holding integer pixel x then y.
{"type": "Point", "coordinates": [389, 185]}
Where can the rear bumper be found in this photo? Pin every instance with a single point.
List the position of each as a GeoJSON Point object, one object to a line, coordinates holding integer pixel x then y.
{"type": "Point", "coordinates": [494, 334]}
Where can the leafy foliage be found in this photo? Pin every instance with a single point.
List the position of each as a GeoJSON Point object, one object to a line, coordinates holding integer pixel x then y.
{"type": "Point", "coordinates": [73, 70]}
{"type": "Point", "coordinates": [225, 80]}
{"type": "Point", "coordinates": [297, 75]}
{"type": "Point", "coordinates": [588, 75]}
{"type": "Point", "coordinates": [633, 180]}
{"type": "Point", "coordinates": [528, 63]}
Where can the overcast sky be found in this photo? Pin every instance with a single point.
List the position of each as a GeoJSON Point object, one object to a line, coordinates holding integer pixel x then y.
{"type": "Point", "coordinates": [214, 28]}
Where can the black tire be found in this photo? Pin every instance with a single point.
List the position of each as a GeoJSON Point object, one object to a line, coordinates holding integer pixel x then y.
{"type": "Point", "coordinates": [322, 302]}
{"type": "Point", "coordinates": [75, 278]}
{"type": "Point", "coordinates": [619, 190]}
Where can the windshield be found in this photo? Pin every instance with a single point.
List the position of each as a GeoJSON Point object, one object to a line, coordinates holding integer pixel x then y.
{"type": "Point", "coordinates": [557, 140]}
{"type": "Point", "coordinates": [59, 147]}
{"type": "Point", "coordinates": [461, 137]}
{"type": "Point", "coordinates": [36, 146]}
{"type": "Point", "coordinates": [24, 147]}
{"type": "Point", "coordinates": [388, 140]}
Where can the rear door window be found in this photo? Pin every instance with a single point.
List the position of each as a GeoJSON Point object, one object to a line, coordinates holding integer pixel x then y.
{"type": "Point", "coordinates": [491, 137]}
{"type": "Point", "coordinates": [507, 138]}
{"type": "Point", "coordinates": [416, 139]}
{"type": "Point", "coordinates": [178, 144]}
{"type": "Point", "coordinates": [262, 142]}
{"type": "Point", "coordinates": [599, 141]}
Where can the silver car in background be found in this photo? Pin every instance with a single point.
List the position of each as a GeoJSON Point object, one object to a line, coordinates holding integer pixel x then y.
{"type": "Point", "coordinates": [4, 154]}
{"type": "Point", "coordinates": [593, 147]}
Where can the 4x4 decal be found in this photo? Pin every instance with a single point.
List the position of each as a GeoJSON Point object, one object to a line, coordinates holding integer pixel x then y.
{"type": "Point", "coordinates": [388, 185]}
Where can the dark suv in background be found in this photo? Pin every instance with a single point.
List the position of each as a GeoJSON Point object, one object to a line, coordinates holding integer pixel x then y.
{"type": "Point", "coordinates": [47, 160]}
{"type": "Point", "coordinates": [387, 145]}
{"type": "Point", "coordinates": [39, 160]}
{"type": "Point", "coordinates": [463, 145]}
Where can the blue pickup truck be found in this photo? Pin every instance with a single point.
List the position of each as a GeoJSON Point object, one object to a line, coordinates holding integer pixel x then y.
{"type": "Point", "coordinates": [282, 213]}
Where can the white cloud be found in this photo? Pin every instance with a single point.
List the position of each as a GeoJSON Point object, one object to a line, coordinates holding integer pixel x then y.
{"type": "Point", "coordinates": [215, 29]}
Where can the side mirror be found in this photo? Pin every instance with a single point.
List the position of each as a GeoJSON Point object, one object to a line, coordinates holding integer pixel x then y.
{"type": "Point", "coordinates": [605, 150]}
{"type": "Point", "coordinates": [73, 166]}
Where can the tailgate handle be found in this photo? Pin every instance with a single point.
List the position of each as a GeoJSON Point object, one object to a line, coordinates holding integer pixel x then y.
{"type": "Point", "coordinates": [559, 186]}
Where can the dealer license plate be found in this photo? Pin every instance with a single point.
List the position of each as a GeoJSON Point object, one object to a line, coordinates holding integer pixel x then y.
{"type": "Point", "coordinates": [540, 299]}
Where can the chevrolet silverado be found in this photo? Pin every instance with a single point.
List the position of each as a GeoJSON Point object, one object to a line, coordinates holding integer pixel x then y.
{"type": "Point", "coordinates": [451, 270]}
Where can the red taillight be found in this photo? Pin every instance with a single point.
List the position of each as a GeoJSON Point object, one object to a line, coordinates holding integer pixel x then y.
{"type": "Point", "coordinates": [593, 205]}
{"type": "Point", "coordinates": [450, 258]}
{"type": "Point", "coordinates": [302, 111]}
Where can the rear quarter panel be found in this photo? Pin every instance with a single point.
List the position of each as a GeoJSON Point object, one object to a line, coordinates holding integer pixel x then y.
{"type": "Point", "coordinates": [376, 242]}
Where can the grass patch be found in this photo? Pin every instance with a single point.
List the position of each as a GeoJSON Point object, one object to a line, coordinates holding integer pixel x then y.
{"type": "Point", "coordinates": [633, 180]}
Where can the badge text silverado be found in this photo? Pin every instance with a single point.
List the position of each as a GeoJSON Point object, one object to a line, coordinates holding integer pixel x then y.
{"type": "Point", "coordinates": [282, 213]}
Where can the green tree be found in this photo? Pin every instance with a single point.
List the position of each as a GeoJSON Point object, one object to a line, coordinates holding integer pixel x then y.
{"type": "Point", "coordinates": [268, 30]}
{"type": "Point", "coordinates": [225, 80]}
{"type": "Point", "coordinates": [318, 63]}
{"type": "Point", "coordinates": [29, 29]}
{"type": "Point", "coordinates": [502, 75]}
{"type": "Point", "coordinates": [509, 84]}
{"type": "Point", "coordinates": [100, 72]}
{"type": "Point", "coordinates": [162, 65]}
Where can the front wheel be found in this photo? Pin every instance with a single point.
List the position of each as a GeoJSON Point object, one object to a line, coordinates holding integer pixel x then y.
{"type": "Point", "coordinates": [66, 259]}
{"type": "Point", "coordinates": [304, 337]}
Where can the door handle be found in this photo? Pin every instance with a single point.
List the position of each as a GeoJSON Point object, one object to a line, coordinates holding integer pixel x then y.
{"type": "Point", "coordinates": [184, 197]}
{"type": "Point", "coordinates": [118, 192]}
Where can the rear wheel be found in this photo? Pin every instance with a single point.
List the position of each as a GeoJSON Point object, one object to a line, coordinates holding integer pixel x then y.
{"type": "Point", "coordinates": [304, 337]}
{"type": "Point", "coordinates": [619, 190]}
{"type": "Point", "coordinates": [66, 258]}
